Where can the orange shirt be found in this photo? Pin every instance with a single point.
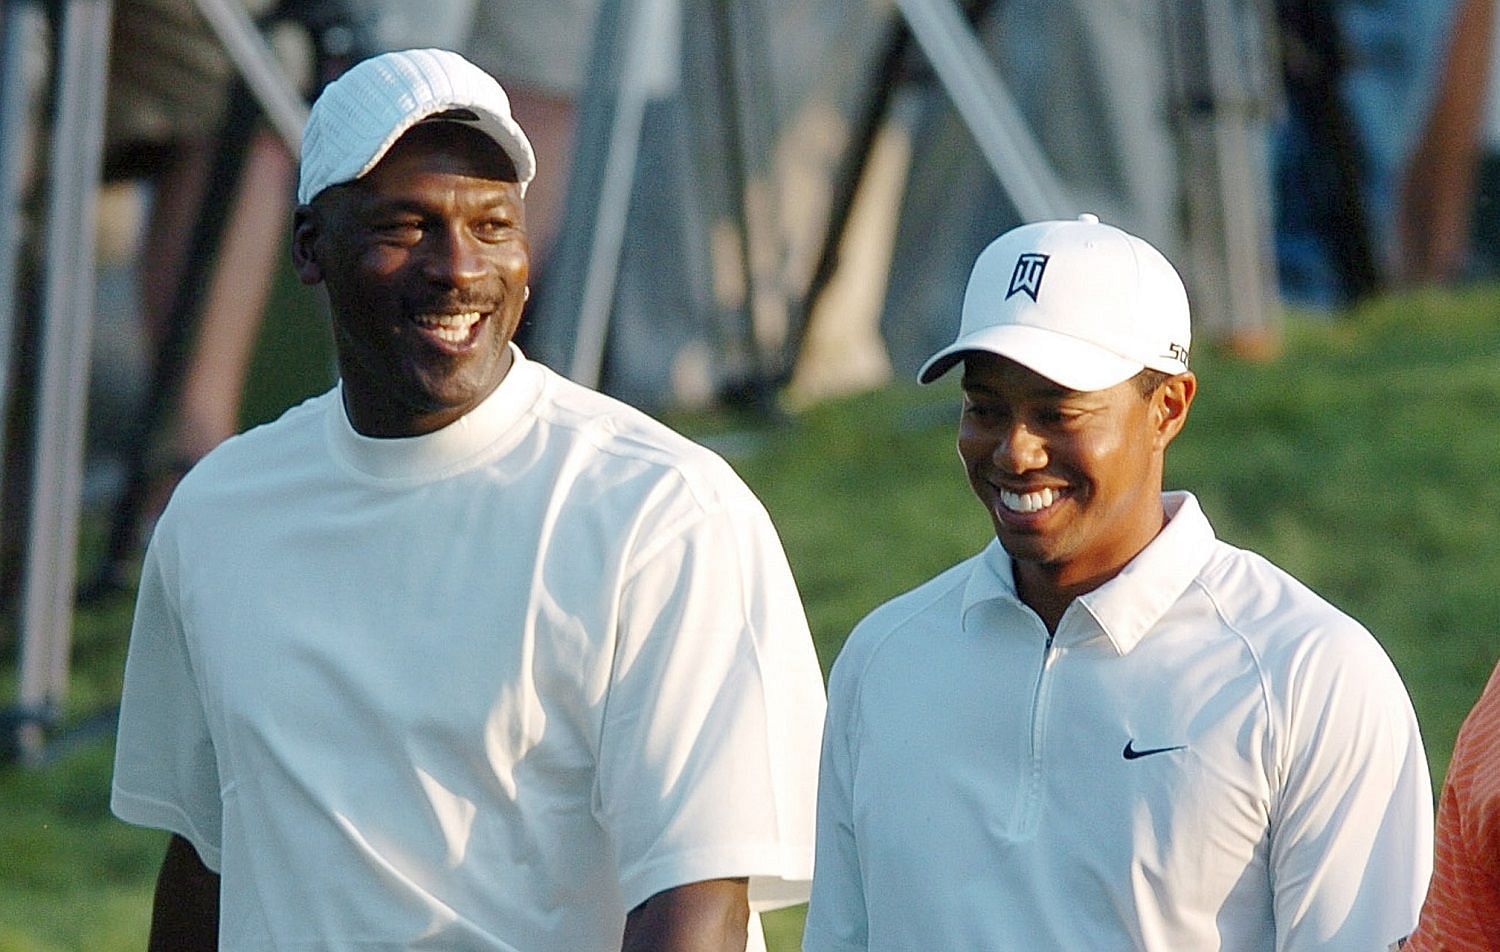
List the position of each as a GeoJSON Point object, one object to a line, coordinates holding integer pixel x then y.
{"type": "Point", "coordinates": [1462, 911]}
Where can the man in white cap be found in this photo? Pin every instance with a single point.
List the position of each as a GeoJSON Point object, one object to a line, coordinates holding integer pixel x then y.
{"type": "Point", "coordinates": [460, 655]}
{"type": "Point", "coordinates": [1108, 729]}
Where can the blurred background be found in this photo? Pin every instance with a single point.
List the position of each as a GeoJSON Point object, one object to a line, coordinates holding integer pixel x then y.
{"type": "Point", "coordinates": [754, 218]}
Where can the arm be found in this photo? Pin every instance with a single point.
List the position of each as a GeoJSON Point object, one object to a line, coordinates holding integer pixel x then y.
{"type": "Point", "coordinates": [1351, 828]}
{"type": "Point", "coordinates": [709, 732]}
{"type": "Point", "coordinates": [1462, 901]}
{"type": "Point", "coordinates": [166, 771]}
{"type": "Point", "coordinates": [185, 913]}
{"type": "Point", "coordinates": [709, 916]}
{"type": "Point", "coordinates": [837, 920]}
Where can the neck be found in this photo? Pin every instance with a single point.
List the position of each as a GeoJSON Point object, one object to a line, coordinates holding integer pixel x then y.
{"type": "Point", "coordinates": [1049, 588]}
{"type": "Point", "coordinates": [374, 412]}
{"type": "Point", "coordinates": [1040, 589]}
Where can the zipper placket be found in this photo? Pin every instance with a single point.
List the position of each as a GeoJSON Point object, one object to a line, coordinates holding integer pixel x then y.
{"type": "Point", "coordinates": [1032, 801]}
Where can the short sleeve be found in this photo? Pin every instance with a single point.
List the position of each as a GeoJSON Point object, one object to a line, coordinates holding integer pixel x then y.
{"type": "Point", "coordinates": [1462, 911]}
{"type": "Point", "coordinates": [1351, 837]}
{"type": "Point", "coordinates": [709, 744]}
{"type": "Point", "coordinates": [166, 775]}
{"type": "Point", "coordinates": [836, 918]}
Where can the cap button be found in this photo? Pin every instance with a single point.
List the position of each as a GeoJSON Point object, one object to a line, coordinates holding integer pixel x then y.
{"type": "Point", "coordinates": [1089, 217]}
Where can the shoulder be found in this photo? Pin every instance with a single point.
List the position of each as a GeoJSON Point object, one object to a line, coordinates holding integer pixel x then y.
{"type": "Point", "coordinates": [1267, 605]}
{"type": "Point", "coordinates": [1312, 656]}
{"type": "Point", "coordinates": [914, 616]}
{"type": "Point", "coordinates": [291, 437]}
{"type": "Point", "coordinates": [1477, 738]}
{"type": "Point", "coordinates": [624, 443]}
{"type": "Point", "coordinates": [615, 427]}
{"type": "Point", "coordinates": [287, 433]}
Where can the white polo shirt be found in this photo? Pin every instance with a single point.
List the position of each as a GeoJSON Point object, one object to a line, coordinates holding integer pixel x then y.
{"type": "Point", "coordinates": [487, 688]}
{"type": "Point", "coordinates": [1206, 755]}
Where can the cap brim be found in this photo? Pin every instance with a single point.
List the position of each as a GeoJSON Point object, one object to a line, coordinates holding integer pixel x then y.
{"type": "Point", "coordinates": [504, 131]}
{"type": "Point", "coordinates": [1065, 360]}
{"type": "Point", "coordinates": [507, 134]}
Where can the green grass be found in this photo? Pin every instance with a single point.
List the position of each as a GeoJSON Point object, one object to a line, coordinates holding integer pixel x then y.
{"type": "Point", "coordinates": [1364, 460]}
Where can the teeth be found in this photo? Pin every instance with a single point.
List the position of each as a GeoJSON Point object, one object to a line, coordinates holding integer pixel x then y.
{"type": "Point", "coordinates": [453, 328]}
{"type": "Point", "coordinates": [1028, 502]}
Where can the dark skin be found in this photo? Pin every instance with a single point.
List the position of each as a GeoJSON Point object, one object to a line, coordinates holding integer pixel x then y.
{"type": "Point", "coordinates": [425, 260]}
{"type": "Point", "coordinates": [1087, 466]}
{"type": "Point", "coordinates": [185, 912]}
{"type": "Point", "coordinates": [713, 914]}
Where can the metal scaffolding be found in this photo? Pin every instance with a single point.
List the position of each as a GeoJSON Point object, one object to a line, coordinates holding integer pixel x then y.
{"type": "Point", "coordinates": [1216, 56]}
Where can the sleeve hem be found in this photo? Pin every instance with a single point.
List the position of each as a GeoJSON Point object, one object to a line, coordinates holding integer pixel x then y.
{"type": "Point", "coordinates": [777, 877]}
{"type": "Point", "coordinates": [158, 814]}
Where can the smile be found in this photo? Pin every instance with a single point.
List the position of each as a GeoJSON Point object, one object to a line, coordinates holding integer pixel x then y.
{"type": "Point", "coordinates": [450, 328]}
{"type": "Point", "coordinates": [1026, 503]}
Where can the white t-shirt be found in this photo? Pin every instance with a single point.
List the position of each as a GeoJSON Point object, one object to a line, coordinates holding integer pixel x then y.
{"type": "Point", "coordinates": [1206, 755]}
{"type": "Point", "coordinates": [487, 688]}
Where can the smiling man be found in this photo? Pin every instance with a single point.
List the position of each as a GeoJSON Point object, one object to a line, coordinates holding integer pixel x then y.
{"type": "Point", "coordinates": [1107, 730]}
{"type": "Point", "coordinates": [460, 655]}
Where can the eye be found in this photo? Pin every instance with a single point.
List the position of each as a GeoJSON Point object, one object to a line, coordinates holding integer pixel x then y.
{"type": "Point", "coordinates": [980, 410]}
{"type": "Point", "coordinates": [1060, 415]}
{"type": "Point", "coordinates": [494, 229]}
{"type": "Point", "coordinates": [402, 231]}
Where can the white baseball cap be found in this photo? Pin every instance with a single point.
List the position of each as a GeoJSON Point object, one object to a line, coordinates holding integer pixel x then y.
{"type": "Point", "coordinates": [1081, 303]}
{"type": "Point", "coordinates": [360, 115]}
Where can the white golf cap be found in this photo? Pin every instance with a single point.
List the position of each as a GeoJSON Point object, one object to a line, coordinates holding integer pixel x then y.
{"type": "Point", "coordinates": [1083, 304]}
{"type": "Point", "coordinates": [360, 115]}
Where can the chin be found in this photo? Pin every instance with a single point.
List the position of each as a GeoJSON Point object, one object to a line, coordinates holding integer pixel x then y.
{"type": "Point", "coordinates": [448, 399]}
{"type": "Point", "coordinates": [1025, 546]}
{"type": "Point", "coordinates": [450, 387]}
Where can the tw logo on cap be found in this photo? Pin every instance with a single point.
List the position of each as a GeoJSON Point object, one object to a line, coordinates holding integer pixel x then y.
{"type": "Point", "coordinates": [1028, 275]}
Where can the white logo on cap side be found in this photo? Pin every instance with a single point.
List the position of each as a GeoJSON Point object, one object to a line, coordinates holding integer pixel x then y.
{"type": "Point", "coordinates": [1028, 275]}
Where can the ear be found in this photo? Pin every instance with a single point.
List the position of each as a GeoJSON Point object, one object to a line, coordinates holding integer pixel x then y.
{"type": "Point", "coordinates": [305, 231]}
{"type": "Point", "coordinates": [1169, 406]}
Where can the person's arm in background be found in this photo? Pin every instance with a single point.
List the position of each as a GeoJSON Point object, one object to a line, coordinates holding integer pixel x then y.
{"type": "Point", "coordinates": [1462, 910]}
{"type": "Point", "coordinates": [185, 912]}
{"type": "Point", "coordinates": [708, 916]}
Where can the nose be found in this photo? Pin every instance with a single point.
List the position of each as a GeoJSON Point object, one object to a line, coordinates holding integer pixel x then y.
{"type": "Point", "coordinates": [454, 258]}
{"type": "Point", "coordinates": [1019, 450]}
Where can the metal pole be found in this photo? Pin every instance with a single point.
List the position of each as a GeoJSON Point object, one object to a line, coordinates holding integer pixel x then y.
{"type": "Point", "coordinates": [252, 56]}
{"type": "Point", "coordinates": [1214, 48]}
{"type": "Point", "coordinates": [67, 318]}
{"type": "Point", "coordinates": [747, 96]}
{"type": "Point", "coordinates": [987, 108]}
{"type": "Point", "coordinates": [182, 323]}
{"type": "Point", "coordinates": [646, 34]}
{"type": "Point", "coordinates": [19, 21]}
{"type": "Point", "coordinates": [1243, 175]}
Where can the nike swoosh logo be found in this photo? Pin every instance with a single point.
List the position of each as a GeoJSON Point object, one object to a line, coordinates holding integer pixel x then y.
{"type": "Point", "coordinates": [1131, 753]}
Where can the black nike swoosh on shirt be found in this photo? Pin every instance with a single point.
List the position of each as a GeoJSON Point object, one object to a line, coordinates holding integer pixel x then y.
{"type": "Point", "coordinates": [1130, 753]}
